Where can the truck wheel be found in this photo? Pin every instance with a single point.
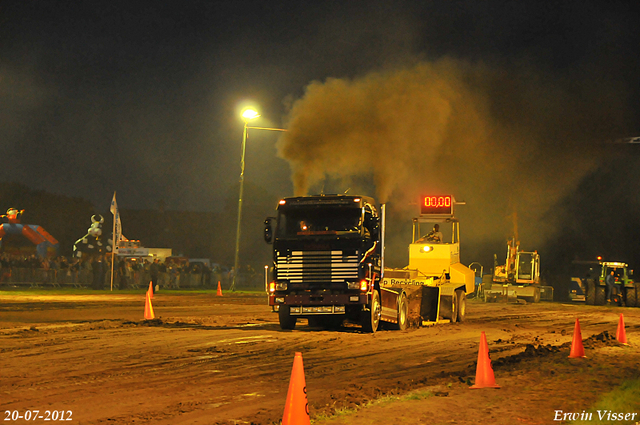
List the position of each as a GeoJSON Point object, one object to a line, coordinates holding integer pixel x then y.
{"type": "Point", "coordinates": [403, 313]}
{"type": "Point", "coordinates": [287, 321]}
{"type": "Point", "coordinates": [600, 295]}
{"type": "Point", "coordinates": [462, 304]}
{"type": "Point", "coordinates": [630, 297]}
{"type": "Point", "coordinates": [371, 319]}
{"type": "Point", "coordinates": [590, 295]}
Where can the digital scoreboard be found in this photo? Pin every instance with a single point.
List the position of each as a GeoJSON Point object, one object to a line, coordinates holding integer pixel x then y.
{"type": "Point", "coordinates": [436, 205]}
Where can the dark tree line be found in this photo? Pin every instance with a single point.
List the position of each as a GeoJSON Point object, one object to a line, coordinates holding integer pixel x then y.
{"type": "Point", "coordinates": [191, 234]}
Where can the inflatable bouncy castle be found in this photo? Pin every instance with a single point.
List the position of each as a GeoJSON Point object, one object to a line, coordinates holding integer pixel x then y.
{"type": "Point", "coordinates": [44, 242]}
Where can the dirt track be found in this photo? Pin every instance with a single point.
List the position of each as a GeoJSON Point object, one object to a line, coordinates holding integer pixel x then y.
{"type": "Point", "coordinates": [224, 360]}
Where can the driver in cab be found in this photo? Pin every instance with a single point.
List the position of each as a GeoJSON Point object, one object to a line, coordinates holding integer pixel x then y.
{"type": "Point", "coordinates": [434, 236]}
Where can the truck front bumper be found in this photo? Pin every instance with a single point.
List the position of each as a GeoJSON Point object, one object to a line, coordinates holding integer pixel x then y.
{"type": "Point", "coordinates": [318, 304]}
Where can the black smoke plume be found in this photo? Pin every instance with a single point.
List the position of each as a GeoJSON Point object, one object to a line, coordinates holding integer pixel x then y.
{"type": "Point", "coordinates": [505, 139]}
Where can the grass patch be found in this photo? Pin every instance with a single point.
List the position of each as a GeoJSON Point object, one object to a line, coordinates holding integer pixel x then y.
{"type": "Point", "coordinates": [418, 395]}
{"type": "Point", "coordinates": [624, 399]}
{"type": "Point", "coordinates": [380, 401]}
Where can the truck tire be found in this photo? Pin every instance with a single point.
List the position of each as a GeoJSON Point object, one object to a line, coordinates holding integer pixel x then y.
{"type": "Point", "coordinates": [590, 292]}
{"type": "Point", "coordinates": [600, 295]}
{"type": "Point", "coordinates": [370, 320]}
{"type": "Point", "coordinates": [630, 295]}
{"type": "Point", "coordinates": [403, 313]}
{"type": "Point", "coordinates": [287, 322]}
{"type": "Point", "coordinates": [462, 304]}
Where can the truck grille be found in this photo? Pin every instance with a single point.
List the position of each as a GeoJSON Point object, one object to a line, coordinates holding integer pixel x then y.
{"type": "Point", "coordinates": [316, 266]}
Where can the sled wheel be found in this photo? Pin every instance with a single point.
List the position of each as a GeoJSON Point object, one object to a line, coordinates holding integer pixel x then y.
{"type": "Point", "coordinates": [454, 307]}
{"type": "Point", "coordinates": [403, 313]}
{"type": "Point", "coordinates": [461, 298]}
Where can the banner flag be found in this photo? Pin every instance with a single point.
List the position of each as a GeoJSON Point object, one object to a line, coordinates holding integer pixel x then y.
{"type": "Point", "coordinates": [117, 226]}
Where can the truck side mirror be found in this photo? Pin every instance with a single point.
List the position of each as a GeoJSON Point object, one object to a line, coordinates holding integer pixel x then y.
{"type": "Point", "coordinates": [268, 231]}
{"type": "Point", "coordinates": [375, 228]}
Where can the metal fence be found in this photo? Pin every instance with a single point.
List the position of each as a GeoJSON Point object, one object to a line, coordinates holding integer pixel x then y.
{"type": "Point", "coordinates": [83, 278]}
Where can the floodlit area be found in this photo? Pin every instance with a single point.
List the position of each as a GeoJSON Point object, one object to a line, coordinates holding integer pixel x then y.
{"type": "Point", "coordinates": [223, 359]}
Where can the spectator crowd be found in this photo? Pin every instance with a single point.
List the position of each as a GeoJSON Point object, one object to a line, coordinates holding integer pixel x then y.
{"type": "Point", "coordinates": [129, 273]}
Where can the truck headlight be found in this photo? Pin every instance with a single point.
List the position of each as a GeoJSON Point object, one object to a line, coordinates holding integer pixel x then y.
{"type": "Point", "coordinates": [281, 286]}
{"type": "Point", "coordinates": [426, 248]}
{"type": "Point", "coordinates": [353, 285]}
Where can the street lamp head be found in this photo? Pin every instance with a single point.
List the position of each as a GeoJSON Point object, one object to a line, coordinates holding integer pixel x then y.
{"type": "Point", "coordinates": [249, 114]}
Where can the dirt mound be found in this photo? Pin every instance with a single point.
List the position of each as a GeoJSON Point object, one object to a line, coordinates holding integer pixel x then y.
{"type": "Point", "coordinates": [531, 351]}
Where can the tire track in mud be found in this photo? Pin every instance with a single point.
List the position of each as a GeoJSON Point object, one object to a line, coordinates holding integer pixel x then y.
{"type": "Point", "coordinates": [237, 367]}
{"type": "Point", "coordinates": [377, 383]}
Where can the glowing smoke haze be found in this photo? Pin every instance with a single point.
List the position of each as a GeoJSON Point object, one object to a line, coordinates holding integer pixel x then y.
{"type": "Point", "coordinates": [503, 140]}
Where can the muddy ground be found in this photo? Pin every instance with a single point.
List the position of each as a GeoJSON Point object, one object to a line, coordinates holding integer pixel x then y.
{"type": "Point", "coordinates": [207, 359]}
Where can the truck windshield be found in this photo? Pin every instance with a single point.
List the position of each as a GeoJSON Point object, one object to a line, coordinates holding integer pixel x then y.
{"type": "Point", "coordinates": [311, 220]}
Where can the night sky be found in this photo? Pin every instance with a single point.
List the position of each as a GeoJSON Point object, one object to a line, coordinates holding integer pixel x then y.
{"type": "Point", "coordinates": [511, 106]}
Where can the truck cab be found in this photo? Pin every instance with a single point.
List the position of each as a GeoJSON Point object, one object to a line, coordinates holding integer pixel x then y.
{"type": "Point", "coordinates": [326, 259]}
{"type": "Point", "coordinates": [440, 259]}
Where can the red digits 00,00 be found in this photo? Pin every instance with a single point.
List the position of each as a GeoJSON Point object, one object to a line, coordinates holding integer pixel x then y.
{"type": "Point", "coordinates": [437, 201]}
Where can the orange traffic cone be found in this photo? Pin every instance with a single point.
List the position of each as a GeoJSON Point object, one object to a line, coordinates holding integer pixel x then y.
{"type": "Point", "coordinates": [148, 308]}
{"type": "Point", "coordinates": [577, 349]}
{"type": "Point", "coordinates": [296, 409]}
{"type": "Point", "coordinates": [621, 334]}
{"type": "Point", "coordinates": [150, 290]}
{"type": "Point", "coordinates": [219, 289]}
{"type": "Point", "coordinates": [484, 371]}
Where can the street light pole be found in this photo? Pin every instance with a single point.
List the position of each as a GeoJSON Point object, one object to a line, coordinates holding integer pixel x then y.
{"type": "Point", "coordinates": [247, 115]}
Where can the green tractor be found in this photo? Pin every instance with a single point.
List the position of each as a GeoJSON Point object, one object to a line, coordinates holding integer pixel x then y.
{"type": "Point", "coordinates": [625, 291]}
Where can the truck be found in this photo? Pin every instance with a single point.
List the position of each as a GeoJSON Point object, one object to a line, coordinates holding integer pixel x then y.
{"type": "Point", "coordinates": [328, 265]}
{"type": "Point", "coordinates": [588, 283]}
